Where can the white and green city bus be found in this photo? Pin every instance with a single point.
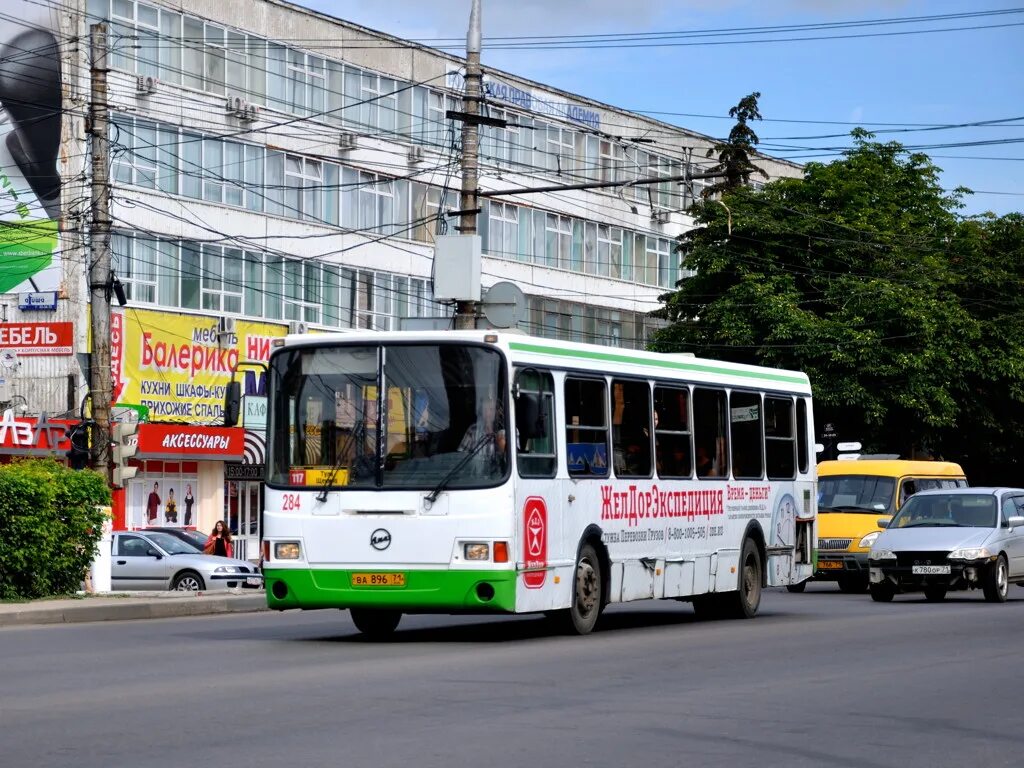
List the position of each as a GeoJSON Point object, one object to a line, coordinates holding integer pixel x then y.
{"type": "Point", "coordinates": [449, 472]}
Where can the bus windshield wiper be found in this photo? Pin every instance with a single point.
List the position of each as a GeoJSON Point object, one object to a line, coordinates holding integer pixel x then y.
{"type": "Point", "coordinates": [336, 467]}
{"type": "Point", "coordinates": [432, 496]}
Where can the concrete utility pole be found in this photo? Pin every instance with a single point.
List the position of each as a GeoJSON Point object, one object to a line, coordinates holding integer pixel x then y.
{"type": "Point", "coordinates": [465, 317]}
{"type": "Point", "coordinates": [100, 276]}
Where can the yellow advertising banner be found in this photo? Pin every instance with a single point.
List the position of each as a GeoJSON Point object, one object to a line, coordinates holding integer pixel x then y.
{"type": "Point", "coordinates": [179, 366]}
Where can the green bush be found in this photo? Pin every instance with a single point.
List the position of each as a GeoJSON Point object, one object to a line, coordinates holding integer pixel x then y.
{"type": "Point", "coordinates": [49, 527]}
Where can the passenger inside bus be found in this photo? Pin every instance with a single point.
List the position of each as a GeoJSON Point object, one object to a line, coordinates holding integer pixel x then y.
{"type": "Point", "coordinates": [488, 426]}
{"type": "Point", "coordinates": [706, 466]}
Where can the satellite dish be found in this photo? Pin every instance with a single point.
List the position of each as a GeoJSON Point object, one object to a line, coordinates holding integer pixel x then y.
{"type": "Point", "coordinates": [504, 304]}
{"type": "Point", "coordinates": [8, 359]}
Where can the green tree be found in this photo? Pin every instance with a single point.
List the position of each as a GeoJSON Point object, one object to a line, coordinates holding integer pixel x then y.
{"type": "Point", "coordinates": [859, 274]}
{"type": "Point", "coordinates": [734, 165]}
{"type": "Point", "coordinates": [49, 527]}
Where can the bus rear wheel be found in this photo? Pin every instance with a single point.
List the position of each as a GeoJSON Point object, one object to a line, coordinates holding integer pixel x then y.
{"type": "Point", "coordinates": [587, 599]}
{"type": "Point", "coordinates": [743, 603]}
{"type": "Point", "coordinates": [375, 624]}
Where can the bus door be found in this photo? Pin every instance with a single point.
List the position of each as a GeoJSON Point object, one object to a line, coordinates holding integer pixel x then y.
{"type": "Point", "coordinates": [538, 496]}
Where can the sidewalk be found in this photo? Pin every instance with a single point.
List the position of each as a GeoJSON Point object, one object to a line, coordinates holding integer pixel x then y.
{"type": "Point", "coordinates": [120, 606]}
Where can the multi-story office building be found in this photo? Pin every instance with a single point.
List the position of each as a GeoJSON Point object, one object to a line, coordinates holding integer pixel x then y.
{"type": "Point", "coordinates": [277, 169]}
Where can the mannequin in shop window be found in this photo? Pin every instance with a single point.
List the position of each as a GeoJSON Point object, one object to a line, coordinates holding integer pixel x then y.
{"type": "Point", "coordinates": [189, 501]}
{"type": "Point", "coordinates": [153, 505]}
{"type": "Point", "coordinates": [171, 510]}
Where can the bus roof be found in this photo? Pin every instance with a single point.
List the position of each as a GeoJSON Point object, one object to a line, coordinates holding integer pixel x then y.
{"type": "Point", "coordinates": [522, 348]}
{"type": "Point", "coordinates": [890, 468]}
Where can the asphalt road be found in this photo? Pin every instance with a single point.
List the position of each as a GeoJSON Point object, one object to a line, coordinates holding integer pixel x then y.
{"type": "Point", "coordinates": [818, 679]}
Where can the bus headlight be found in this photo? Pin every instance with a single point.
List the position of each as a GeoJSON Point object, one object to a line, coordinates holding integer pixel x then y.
{"type": "Point", "coordinates": [287, 550]}
{"type": "Point", "coordinates": [476, 551]}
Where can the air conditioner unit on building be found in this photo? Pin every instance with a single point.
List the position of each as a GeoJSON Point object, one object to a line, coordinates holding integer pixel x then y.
{"type": "Point", "coordinates": [242, 109]}
{"type": "Point", "coordinates": [250, 114]}
{"type": "Point", "coordinates": [660, 217]}
{"type": "Point", "coordinates": [146, 84]}
{"type": "Point", "coordinates": [415, 155]}
{"type": "Point", "coordinates": [347, 142]}
{"type": "Point", "coordinates": [234, 104]}
{"type": "Point", "coordinates": [297, 326]}
{"type": "Point", "coordinates": [225, 325]}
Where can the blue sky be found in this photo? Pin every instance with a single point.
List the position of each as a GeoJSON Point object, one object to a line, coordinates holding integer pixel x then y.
{"type": "Point", "coordinates": [936, 79]}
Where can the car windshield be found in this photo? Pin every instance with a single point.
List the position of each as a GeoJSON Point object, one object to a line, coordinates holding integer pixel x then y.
{"type": "Point", "coordinates": [170, 544]}
{"type": "Point", "coordinates": [394, 416]}
{"type": "Point", "coordinates": [947, 510]}
{"type": "Point", "coordinates": [856, 493]}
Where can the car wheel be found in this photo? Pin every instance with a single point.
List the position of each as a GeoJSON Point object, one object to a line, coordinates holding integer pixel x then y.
{"type": "Point", "coordinates": [883, 592]}
{"type": "Point", "coordinates": [796, 587]}
{"type": "Point", "coordinates": [587, 601]}
{"type": "Point", "coordinates": [375, 624]}
{"type": "Point", "coordinates": [935, 593]}
{"type": "Point", "coordinates": [743, 603]}
{"type": "Point", "coordinates": [188, 581]}
{"type": "Point", "coordinates": [996, 582]}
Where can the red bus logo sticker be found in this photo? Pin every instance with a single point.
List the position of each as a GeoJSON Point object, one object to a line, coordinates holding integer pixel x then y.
{"type": "Point", "coordinates": [535, 541]}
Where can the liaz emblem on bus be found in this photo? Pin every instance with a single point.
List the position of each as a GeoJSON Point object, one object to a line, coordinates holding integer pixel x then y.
{"type": "Point", "coordinates": [535, 541]}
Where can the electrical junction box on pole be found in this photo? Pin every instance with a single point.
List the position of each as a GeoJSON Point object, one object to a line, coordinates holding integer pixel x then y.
{"type": "Point", "coordinates": [457, 267]}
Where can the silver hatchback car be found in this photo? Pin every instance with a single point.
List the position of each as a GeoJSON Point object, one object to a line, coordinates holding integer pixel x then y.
{"type": "Point", "coordinates": [952, 539]}
{"type": "Point", "coordinates": [155, 560]}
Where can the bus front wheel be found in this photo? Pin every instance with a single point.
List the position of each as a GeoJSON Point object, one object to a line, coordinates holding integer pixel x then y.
{"type": "Point", "coordinates": [375, 624]}
{"type": "Point", "coordinates": [587, 600]}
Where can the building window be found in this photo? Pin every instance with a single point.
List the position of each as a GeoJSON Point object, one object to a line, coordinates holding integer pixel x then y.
{"type": "Point", "coordinates": [503, 230]}
{"type": "Point", "coordinates": [303, 180]}
{"type": "Point", "coordinates": [135, 264]}
{"type": "Point", "coordinates": [222, 284]}
{"type": "Point", "coordinates": [558, 241]}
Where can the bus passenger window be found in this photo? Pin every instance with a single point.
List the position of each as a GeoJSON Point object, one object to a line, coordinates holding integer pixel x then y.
{"type": "Point", "coordinates": [673, 455]}
{"type": "Point", "coordinates": [631, 428]}
{"type": "Point", "coordinates": [745, 428]}
{"type": "Point", "coordinates": [586, 427]}
{"type": "Point", "coordinates": [779, 442]}
{"type": "Point", "coordinates": [710, 432]}
{"type": "Point", "coordinates": [801, 435]}
{"type": "Point", "coordinates": [535, 456]}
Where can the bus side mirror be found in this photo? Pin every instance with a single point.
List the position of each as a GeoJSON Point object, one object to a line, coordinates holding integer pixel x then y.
{"type": "Point", "coordinates": [883, 522]}
{"type": "Point", "coordinates": [232, 403]}
{"type": "Point", "coordinates": [530, 420]}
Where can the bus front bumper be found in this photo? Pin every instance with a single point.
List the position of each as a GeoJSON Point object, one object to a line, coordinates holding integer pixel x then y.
{"type": "Point", "coordinates": [423, 591]}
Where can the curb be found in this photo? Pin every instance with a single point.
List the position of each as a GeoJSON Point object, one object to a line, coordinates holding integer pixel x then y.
{"type": "Point", "coordinates": [128, 608]}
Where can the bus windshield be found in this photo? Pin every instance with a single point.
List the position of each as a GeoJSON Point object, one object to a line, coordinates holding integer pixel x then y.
{"type": "Point", "coordinates": [390, 416]}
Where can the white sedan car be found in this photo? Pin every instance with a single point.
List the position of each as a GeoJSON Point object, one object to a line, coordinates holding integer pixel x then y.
{"type": "Point", "coordinates": [153, 560]}
{"type": "Point", "coordinates": [951, 539]}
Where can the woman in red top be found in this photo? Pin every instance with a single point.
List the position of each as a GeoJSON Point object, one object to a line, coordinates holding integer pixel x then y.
{"type": "Point", "coordinates": [219, 541]}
